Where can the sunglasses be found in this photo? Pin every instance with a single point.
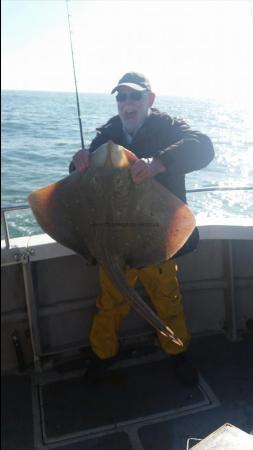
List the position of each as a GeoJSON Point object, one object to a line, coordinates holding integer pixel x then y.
{"type": "Point", "coordinates": [135, 95]}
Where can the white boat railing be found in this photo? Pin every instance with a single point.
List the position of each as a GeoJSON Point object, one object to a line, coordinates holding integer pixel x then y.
{"type": "Point", "coordinates": [4, 221]}
{"type": "Point", "coordinates": [7, 209]}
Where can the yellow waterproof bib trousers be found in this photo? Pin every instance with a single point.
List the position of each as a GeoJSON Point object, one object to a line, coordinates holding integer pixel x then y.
{"type": "Point", "coordinates": [161, 284]}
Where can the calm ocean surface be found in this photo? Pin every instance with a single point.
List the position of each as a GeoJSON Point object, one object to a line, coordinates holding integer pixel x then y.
{"type": "Point", "coordinates": [40, 134]}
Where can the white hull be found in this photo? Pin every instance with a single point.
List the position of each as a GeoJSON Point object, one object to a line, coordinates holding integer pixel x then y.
{"type": "Point", "coordinates": [49, 293]}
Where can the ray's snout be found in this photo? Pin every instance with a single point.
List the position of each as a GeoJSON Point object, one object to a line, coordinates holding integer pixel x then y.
{"type": "Point", "coordinates": [111, 155]}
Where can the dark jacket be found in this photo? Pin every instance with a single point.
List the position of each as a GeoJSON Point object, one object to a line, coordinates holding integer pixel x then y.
{"type": "Point", "coordinates": [180, 149]}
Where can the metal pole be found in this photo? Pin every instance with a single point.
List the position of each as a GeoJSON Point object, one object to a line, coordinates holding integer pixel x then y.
{"type": "Point", "coordinates": [5, 229]}
{"type": "Point", "coordinates": [31, 310]}
{"type": "Point", "coordinates": [230, 301]}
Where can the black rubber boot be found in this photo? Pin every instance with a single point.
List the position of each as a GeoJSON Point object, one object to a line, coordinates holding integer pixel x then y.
{"type": "Point", "coordinates": [183, 369]}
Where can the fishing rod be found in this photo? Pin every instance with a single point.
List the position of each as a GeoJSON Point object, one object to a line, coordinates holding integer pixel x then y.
{"type": "Point", "coordinates": [74, 70]}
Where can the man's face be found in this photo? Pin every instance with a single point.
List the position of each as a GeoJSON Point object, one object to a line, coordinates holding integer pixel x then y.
{"type": "Point", "coordinates": [133, 112]}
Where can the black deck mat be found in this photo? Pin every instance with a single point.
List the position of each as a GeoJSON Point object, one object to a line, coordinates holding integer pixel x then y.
{"type": "Point", "coordinates": [73, 406]}
{"type": "Point", "coordinates": [16, 413]}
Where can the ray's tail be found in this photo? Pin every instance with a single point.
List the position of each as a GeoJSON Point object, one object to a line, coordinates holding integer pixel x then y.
{"type": "Point", "coordinates": [117, 276]}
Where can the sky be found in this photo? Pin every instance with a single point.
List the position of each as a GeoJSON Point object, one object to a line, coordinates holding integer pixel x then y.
{"type": "Point", "coordinates": [189, 48]}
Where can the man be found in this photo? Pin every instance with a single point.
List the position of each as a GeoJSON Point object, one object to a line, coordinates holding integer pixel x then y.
{"type": "Point", "coordinates": [167, 149]}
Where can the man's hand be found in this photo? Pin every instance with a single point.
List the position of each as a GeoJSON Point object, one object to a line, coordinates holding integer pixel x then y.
{"type": "Point", "coordinates": [146, 168]}
{"type": "Point", "coordinates": [81, 160]}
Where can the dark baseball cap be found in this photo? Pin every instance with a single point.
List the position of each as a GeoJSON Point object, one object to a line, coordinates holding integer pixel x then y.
{"type": "Point", "coordinates": [134, 80]}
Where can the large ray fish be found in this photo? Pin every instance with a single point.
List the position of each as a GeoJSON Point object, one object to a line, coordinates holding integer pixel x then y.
{"type": "Point", "coordinates": [103, 214]}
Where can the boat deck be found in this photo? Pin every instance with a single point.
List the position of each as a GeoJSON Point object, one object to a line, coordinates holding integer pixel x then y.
{"type": "Point", "coordinates": [139, 406]}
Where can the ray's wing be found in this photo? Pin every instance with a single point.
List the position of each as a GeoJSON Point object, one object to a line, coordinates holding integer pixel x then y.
{"type": "Point", "coordinates": [165, 223]}
{"type": "Point", "coordinates": [53, 207]}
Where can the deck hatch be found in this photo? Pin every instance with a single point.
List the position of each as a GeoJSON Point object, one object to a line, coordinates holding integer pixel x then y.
{"type": "Point", "coordinates": [130, 396]}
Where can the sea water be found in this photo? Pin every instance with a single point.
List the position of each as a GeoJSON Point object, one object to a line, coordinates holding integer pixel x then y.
{"type": "Point", "coordinates": [40, 134]}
